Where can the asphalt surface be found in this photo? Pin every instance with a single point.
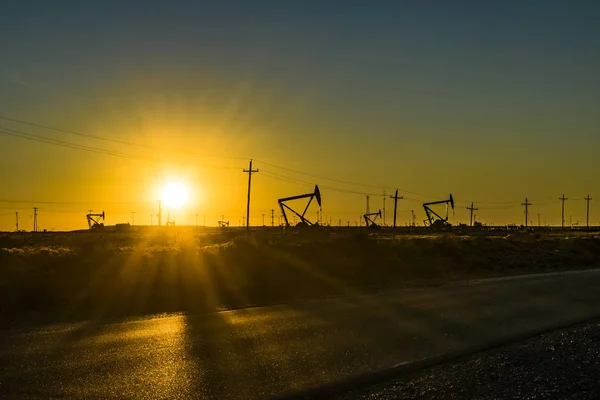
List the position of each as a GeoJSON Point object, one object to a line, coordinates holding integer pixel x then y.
{"type": "Point", "coordinates": [273, 351]}
{"type": "Point", "coordinates": [564, 364]}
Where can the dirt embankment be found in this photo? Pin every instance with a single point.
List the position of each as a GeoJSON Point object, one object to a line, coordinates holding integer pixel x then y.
{"type": "Point", "coordinates": [52, 277]}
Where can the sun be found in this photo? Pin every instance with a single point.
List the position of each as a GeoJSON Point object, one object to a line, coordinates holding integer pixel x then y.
{"type": "Point", "coordinates": [174, 194]}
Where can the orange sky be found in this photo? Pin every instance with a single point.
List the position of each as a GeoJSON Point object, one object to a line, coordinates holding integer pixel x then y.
{"type": "Point", "coordinates": [493, 104]}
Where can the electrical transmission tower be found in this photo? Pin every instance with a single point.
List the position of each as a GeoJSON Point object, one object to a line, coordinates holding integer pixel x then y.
{"type": "Point", "coordinates": [472, 209]}
{"type": "Point", "coordinates": [563, 198]}
{"type": "Point", "coordinates": [272, 217]}
{"type": "Point", "coordinates": [249, 171]}
{"type": "Point", "coordinates": [526, 204]}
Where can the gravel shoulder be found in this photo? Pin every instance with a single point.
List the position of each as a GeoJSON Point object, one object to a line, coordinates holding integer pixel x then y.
{"type": "Point", "coordinates": [563, 364]}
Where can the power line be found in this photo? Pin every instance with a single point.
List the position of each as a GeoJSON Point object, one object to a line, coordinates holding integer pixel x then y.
{"type": "Point", "coordinates": [318, 176]}
{"type": "Point", "coordinates": [90, 149]}
{"type": "Point", "coordinates": [33, 137]}
{"type": "Point", "coordinates": [273, 175]}
{"type": "Point", "coordinates": [62, 143]}
{"type": "Point", "coordinates": [295, 180]}
{"type": "Point", "coordinates": [106, 139]}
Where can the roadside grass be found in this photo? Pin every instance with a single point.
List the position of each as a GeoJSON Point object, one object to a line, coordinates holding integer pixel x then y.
{"type": "Point", "coordinates": [74, 276]}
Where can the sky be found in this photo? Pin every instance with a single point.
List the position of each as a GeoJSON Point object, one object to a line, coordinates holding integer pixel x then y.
{"type": "Point", "coordinates": [493, 102]}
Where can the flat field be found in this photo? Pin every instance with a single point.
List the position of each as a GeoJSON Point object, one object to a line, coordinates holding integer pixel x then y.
{"type": "Point", "coordinates": [52, 277]}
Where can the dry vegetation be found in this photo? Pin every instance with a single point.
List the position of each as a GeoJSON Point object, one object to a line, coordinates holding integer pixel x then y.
{"type": "Point", "coordinates": [66, 276]}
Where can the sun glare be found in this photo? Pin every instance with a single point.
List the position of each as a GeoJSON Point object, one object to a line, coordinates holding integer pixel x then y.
{"type": "Point", "coordinates": [174, 195]}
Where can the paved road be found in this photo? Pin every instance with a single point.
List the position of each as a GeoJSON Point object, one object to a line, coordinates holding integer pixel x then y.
{"type": "Point", "coordinates": [271, 351]}
{"type": "Point", "coordinates": [562, 364]}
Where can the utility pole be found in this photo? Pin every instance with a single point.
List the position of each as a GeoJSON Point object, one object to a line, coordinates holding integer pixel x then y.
{"type": "Point", "coordinates": [17, 226]}
{"type": "Point", "coordinates": [272, 217]}
{"type": "Point", "coordinates": [563, 198]}
{"type": "Point", "coordinates": [587, 214]}
{"type": "Point", "coordinates": [159, 213]}
{"type": "Point", "coordinates": [263, 219]}
{"type": "Point", "coordinates": [249, 171]}
{"type": "Point", "coordinates": [396, 198]}
{"type": "Point", "coordinates": [384, 207]}
{"type": "Point", "coordinates": [368, 210]}
{"type": "Point", "coordinates": [527, 204]}
{"type": "Point", "coordinates": [35, 226]}
{"type": "Point", "coordinates": [132, 218]}
{"type": "Point", "coordinates": [472, 209]}
{"type": "Point", "coordinates": [340, 222]}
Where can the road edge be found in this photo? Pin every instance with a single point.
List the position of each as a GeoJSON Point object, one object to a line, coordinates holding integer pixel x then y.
{"type": "Point", "coordinates": [373, 378]}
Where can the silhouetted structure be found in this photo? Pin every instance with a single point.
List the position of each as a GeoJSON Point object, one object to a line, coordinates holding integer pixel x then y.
{"type": "Point", "coordinates": [472, 209]}
{"type": "Point", "coordinates": [434, 220]}
{"type": "Point", "coordinates": [370, 222]}
{"type": "Point", "coordinates": [249, 171]}
{"type": "Point", "coordinates": [563, 198]}
{"type": "Point", "coordinates": [303, 220]}
{"type": "Point", "coordinates": [396, 198]}
{"type": "Point", "coordinates": [93, 220]}
{"type": "Point", "coordinates": [527, 204]}
{"type": "Point", "coordinates": [587, 214]}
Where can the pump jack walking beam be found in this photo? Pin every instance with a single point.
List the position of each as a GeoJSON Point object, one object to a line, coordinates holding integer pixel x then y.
{"type": "Point", "coordinates": [370, 223]}
{"type": "Point", "coordinates": [431, 213]}
{"type": "Point", "coordinates": [315, 195]}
